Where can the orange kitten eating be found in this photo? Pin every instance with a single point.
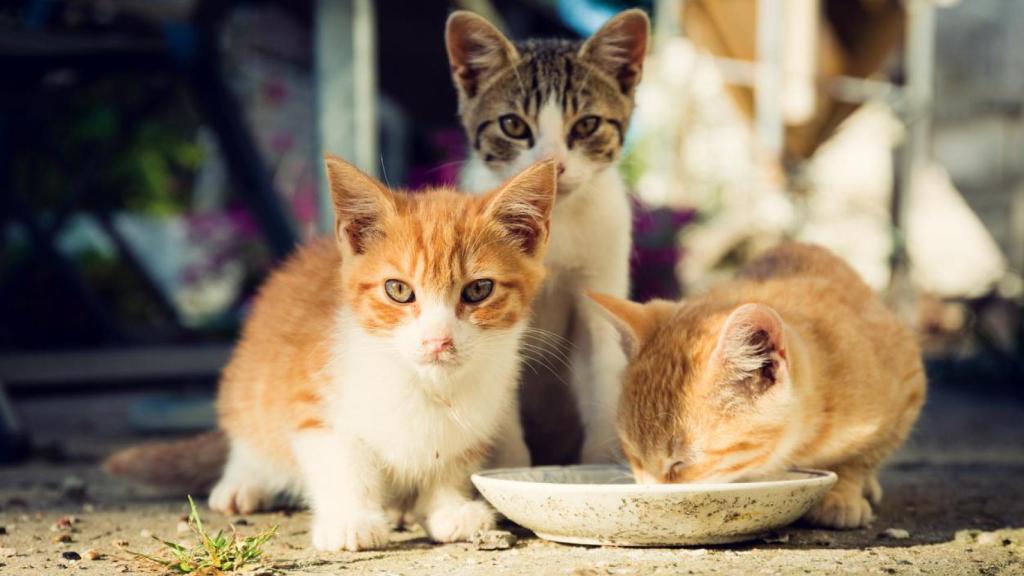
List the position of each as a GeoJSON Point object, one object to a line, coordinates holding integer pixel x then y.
{"type": "Point", "coordinates": [795, 363]}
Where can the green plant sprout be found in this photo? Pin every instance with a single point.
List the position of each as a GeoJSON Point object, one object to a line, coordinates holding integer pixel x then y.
{"type": "Point", "coordinates": [223, 552]}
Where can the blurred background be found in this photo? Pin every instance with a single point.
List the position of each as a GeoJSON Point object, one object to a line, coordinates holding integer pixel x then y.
{"type": "Point", "coordinates": [158, 157]}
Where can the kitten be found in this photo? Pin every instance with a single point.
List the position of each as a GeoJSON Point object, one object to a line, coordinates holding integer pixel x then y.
{"type": "Point", "coordinates": [572, 102]}
{"type": "Point", "coordinates": [795, 363]}
{"type": "Point", "coordinates": [380, 369]}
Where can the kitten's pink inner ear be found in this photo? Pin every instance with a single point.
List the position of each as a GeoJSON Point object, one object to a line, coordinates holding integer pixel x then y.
{"type": "Point", "coordinates": [751, 344]}
{"type": "Point", "coordinates": [361, 204]}
{"type": "Point", "coordinates": [476, 50]}
{"type": "Point", "coordinates": [635, 322]}
{"type": "Point", "coordinates": [522, 206]}
{"type": "Point", "coordinates": [619, 47]}
{"type": "Point", "coordinates": [751, 318]}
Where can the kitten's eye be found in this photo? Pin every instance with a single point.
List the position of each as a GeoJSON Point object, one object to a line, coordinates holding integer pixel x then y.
{"type": "Point", "coordinates": [477, 291]}
{"type": "Point", "coordinates": [399, 291]}
{"type": "Point", "coordinates": [585, 126]}
{"type": "Point", "coordinates": [676, 471]}
{"type": "Point", "coordinates": [514, 127]}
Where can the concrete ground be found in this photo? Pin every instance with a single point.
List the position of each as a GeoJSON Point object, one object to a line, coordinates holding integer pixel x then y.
{"type": "Point", "coordinates": [957, 490]}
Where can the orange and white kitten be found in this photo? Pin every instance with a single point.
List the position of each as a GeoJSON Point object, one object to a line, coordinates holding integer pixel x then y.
{"type": "Point", "coordinates": [381, 368]}
{"type": "Point", "coordinates": [795, 363]}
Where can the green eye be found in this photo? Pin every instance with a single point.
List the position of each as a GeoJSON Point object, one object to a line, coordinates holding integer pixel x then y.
{"type": "Point", "coordinates": [399, 291]}
{"type": "Point", "coordinates": [514, 127]}
{"type": "Point", "coordinates": [477, 291]}
{"type": "Point", "coordinates": [585, 126]}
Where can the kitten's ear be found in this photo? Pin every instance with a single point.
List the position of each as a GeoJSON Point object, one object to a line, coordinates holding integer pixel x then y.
{"type": "Point", "coordinates": [750, 349]}
{"type": "Point", "coordinates": [635, 322]}
{"type": "Point", "coordinates": [361, 204]}
{"type": "Point", "coordinates": [522, 206]}
{"type": "Point", "coordinates": [619, 47]}
{"type": "Point", "coordinates": [476, 50]}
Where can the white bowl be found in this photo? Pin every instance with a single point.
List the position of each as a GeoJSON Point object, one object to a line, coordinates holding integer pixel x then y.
{"type": "Point", "coordinates": [602, 505]}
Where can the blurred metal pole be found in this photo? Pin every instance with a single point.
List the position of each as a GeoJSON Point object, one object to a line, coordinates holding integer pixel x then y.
{"type": "Point", "coordinates": [223, 112]}
{"type": "Point", "coordinates": [801, 19]}
{"type": "Point", "coordinates": [919, 66]}
{"type": "Point", "coordinates": [768, 76]}
{"type": "Point", "coordinates": [668, 21]}
{"type": "Point", "coordinates": [662, 158]}
{"type": "Point", "coordinates": [345, 65]}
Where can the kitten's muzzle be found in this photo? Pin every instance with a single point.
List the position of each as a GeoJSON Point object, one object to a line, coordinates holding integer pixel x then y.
{"type": "Point", "coordinates": [436, 346]}
{"type": "Point", "coordinates": [642, 477]}
{"type": "Point", "coordinates": [437, 350]}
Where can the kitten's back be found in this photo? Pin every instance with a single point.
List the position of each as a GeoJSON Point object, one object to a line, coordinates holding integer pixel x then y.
{"type": "Point", "coordinates": [812, 287]}
{"type": "Point", "coordinates": [798, 259]}
{"type": "Point", "coordinates": [276, 370]}
{"type": "Point", "coordinates": [867, 364]}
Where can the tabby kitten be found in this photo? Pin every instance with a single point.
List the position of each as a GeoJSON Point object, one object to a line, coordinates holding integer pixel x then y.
{"type": "Point", "coordinates": [570, 101]}
{"type": "Point", "coordinates": [380, 370]}
{"type": "Point", "coordinates": [796, 363]}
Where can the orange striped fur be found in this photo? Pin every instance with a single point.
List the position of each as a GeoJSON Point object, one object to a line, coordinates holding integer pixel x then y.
{"type": "Point", "coordinates": [438, 239]}
{"type": "Point", "coordinates": [359, 402]}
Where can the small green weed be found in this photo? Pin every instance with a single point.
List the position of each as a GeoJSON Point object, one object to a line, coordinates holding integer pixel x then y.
{"type": "Point", "coordinates": [223, 552]}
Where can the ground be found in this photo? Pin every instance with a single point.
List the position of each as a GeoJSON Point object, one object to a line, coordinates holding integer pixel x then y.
{"type": "Point", "coordinates": [957, 490]}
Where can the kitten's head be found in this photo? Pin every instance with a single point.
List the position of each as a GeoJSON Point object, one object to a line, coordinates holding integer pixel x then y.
{"type": "Point", "coordinates": [442, 279]}
{"type": "Point", "coordinates": [707, 393]}
{"type": "Point", "coordinates": [547, 98]}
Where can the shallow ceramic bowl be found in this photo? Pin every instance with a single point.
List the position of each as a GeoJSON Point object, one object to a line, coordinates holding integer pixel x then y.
{"type": "Point", "coordinates": [602, 505]}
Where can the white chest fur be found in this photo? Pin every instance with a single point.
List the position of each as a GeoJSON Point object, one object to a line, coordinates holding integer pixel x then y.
{"type": "Point", "coordinates": [415, 425]}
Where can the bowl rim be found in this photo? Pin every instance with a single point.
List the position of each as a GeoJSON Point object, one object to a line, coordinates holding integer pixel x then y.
{"type": "Point", "coordinates": [493, 476]}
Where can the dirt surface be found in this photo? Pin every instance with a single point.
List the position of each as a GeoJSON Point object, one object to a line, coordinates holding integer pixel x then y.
{"type": "Point", "coordinates": [957, 491]}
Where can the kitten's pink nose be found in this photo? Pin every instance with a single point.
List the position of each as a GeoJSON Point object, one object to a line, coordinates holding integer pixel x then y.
{"type": "Point", "coordinates": [437, 345]}
{"type": "Point", "coordinates": [561, 168]}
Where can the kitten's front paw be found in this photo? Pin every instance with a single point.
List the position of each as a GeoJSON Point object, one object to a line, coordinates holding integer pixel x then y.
{"type": "Point", "coordinates": [233, 497]}
{"type": "Point", "coordinates": [353, 532]}
{"type": "Point", "coordinates": [841, 511]}
{"type": "Point", "coordinates": [459, 521]}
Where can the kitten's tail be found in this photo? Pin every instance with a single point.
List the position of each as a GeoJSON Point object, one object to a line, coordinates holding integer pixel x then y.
{"type": "Point", "coordinates": [191, 465]}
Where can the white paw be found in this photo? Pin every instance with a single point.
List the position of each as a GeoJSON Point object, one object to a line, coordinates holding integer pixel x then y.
{"type": "Point", "coordinates": [234, 497]}
{"type": "Point", "coordinates": [459, 521]}
{"type": "Point", "coordinates": [358, 531]}
{"type": "Point", "coordinates": [841, 511]}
